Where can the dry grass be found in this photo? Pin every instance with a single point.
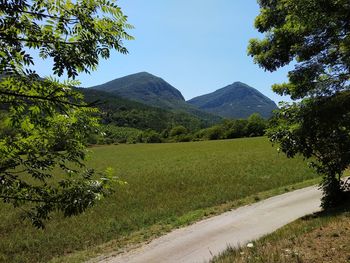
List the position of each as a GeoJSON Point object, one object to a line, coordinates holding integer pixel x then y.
{"type": "Point", "coordinates": [323, 237]}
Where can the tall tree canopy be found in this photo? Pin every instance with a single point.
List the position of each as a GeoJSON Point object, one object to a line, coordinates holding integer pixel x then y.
{"type": "Point", "coordinates": [44, 123]}
{"type": "Point", "coordinates": [315, 34]}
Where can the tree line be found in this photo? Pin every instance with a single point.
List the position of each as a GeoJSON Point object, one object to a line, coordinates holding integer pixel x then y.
{"type": "Point", "coordinates": [254, 126]}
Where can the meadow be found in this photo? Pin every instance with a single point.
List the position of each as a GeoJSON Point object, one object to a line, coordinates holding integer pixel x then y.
{"type": "Point", "coordinates": [168, 185]}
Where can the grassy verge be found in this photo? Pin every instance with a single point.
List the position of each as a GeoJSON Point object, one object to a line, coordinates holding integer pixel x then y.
{"type": "Point", "coordinates": [169, 185]}
{"type": "Point", "coordinates": [321, 237]}
{"type": "Point", "coordinates": [145, 235]}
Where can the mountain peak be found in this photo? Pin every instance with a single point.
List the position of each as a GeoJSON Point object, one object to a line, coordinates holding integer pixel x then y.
{"type": "Point", "coordinates": [145, 88]}
{"type": "Point", "coordinates": [237, 100]}
{"type": "Point", "coordinates": [236, 83]}
{"type": "Point", "coordinates": [141, 74]}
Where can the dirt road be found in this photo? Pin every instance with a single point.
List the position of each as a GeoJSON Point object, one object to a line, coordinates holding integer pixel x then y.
{"type": "Point", "coordinates": [200, 241]}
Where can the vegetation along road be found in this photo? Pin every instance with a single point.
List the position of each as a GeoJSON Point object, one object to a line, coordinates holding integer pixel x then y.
{"type": "Point", "coordinates": [201, 241]}
{"type": "Point", "coordinates": [169, 186]}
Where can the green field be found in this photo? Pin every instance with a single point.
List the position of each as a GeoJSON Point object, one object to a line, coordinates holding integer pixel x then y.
{"type": "Point", "coordinates": [168, 185]}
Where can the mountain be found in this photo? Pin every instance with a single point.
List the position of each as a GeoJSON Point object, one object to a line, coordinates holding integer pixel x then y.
{"type": "Point", "coordinates": [148, 89]}
{"type": "Point", "coordinates": [127, 113]}
{"type": "Point", "coordinates": [145, 88]}
{"type": "Point", "coordinates": [237, 100]}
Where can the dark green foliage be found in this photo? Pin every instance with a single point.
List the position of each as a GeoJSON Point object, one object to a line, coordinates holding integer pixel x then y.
{"type": "Point", "coordinates": [235, 128]}
{"type": "Point", "coordinates": [178, 130]}
{"type": "Point", "coordinates": [316, 34]}
{"type": "Point", "coordinates": [254, 126]}
{"type": "Point", "coordinates": [179, 134]}
{"type": "Point", "coordinates": [110, 134]}
{"type": "Point", "coordinates": [46, 123]}
{"type": "Point", "coordinates": [236, 101]}
{"type": "Point", "coordinates": [214, 133]}
{"type": "Point", "coordinates": [318, 128]}
{"type": "Point", "coordinates": [5, 129]}
{"type": "Point", "coordinates": [126, 113]}
{"type": "Point", "coordinates": [184, 138]}
{"type": "Point", "coordinates": [171, 126]}
{"type": "Point", "coordinates": [150, 136]}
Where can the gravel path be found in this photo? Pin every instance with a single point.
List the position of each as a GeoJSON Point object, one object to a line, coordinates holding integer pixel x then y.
{"type": "Point", "coordinates": [201, 241]}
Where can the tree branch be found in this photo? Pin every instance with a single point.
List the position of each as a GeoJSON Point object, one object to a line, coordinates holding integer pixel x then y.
{"type": "Point", "coordinates": [91, 104]}
{"type": "Point", "coordinates": [48, 16]}
{"type": "Point", "coordinates": [39, 41]}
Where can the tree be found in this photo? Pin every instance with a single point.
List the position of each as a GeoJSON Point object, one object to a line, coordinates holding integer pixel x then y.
{"type": "Point", "coordinates": [235, 128]}
{"type": "Point", "coordinates": [256, 125]}
{"type": "Point", "coordinates": [178, 130]}
{"type": "Point", "coordinates": [49, 120]}
{"type": "Point", "coordinates": [151, 136]}
{"type": "Point", "coordinates": [315, 34]}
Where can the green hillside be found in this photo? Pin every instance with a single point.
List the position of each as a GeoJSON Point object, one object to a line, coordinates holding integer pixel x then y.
{"type": "Point", "coordinates": [148, 89]}
{"type": "Point", "coordinates": [127, 113]}
{"type": "Point", "coordinates": [237, 100]}
{"type": "Point", "coordinates": [145, 88]}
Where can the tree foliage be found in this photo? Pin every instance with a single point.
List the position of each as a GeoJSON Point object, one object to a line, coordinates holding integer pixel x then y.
{"type": "Point", "coordinates": [315, 34]}
{"type": "Point", "coordinates": [44, 123]}
{"type": "Point", "coordinates": [254, 126]}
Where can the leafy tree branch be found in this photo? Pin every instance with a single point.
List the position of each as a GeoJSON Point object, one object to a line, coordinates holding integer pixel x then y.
{"type": "Point", "coordinates": [44, 124]}
{"type": "Point", "coordinates": [316, 35]}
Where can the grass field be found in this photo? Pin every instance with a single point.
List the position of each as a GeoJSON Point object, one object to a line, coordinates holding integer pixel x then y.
{"type": "Point", "coordinates": [168, 185]}
{"type": "Point", "coordinates": [322, 237]}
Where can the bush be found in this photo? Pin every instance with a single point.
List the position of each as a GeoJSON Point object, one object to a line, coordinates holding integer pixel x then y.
{"type": "Point", "coordinates": [256, 125]}
{"type": "Point", "coordinates": [211, 133]}
{"type": "Point", "coordinates": [151, 136]}
{"type": "Point", "coordinates": [235, 129]}
{"type": "Point", "coordinates": [110, 134]}
{"type": "Point", "coordinates": [214, 133]}
{"type": "Point", "coordinates": [183, 138]}
{"type": "Point", "coordinates": [178, 130]}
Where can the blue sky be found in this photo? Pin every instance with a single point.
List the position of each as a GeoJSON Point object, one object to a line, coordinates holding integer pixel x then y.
{"type": "Point", "coordinates": [198, 46]}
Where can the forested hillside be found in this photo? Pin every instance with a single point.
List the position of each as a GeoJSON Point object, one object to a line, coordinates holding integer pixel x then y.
{"type": "Point", "coordinates": [127, 113]}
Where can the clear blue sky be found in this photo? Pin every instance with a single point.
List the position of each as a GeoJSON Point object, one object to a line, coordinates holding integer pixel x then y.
{"type": "Point", "coordinates": [198, 46]}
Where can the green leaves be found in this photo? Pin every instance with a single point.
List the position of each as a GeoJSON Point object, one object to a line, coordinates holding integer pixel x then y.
{"type": "Point", "coordinates": [312, 33]}
{"type": "Point", "coordinates": [47, 135]}
{"type": "Point", "coordinates": [71, 33]}
{"type": "Point", "coordinates": [44, 124]}
{"type": "Point", "coordinates": [316, 35]}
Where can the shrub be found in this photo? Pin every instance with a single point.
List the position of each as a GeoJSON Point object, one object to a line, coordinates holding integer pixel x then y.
{"type": "Point", "coordinates": [151, 136]}
{"type": "Point", "coordinates": [178, 130]}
